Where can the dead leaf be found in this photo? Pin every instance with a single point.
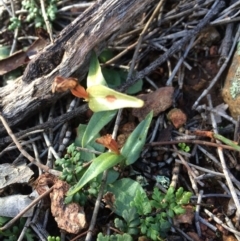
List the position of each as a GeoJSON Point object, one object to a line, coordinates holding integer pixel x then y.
{"type": "Point", "coordinates": [177, 117]}
{"type": "Point", "coordinates": [70, 217]}
{"type": "Point", "coordinates": [109, 199]}
{"type": "Point", "coordinates": [186, 217]}
{"type": "Point", "coordinates": [109, 143]}
{"type": "Point", "coordinates": [21, 57]}
{"type": "Point", "coordinates": [43, 182]}
{"type": "Point", "coordinates": [61, 84]}
{"type": "Point", "coordinates": [158, 101]}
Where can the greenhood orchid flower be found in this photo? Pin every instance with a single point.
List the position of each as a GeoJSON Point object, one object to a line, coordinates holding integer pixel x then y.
{"type": "Point", "coordinates": [99, 97]}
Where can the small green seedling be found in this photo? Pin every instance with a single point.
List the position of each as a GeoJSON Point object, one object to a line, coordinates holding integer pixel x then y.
{"type": "Point", "coordinates": [156, 212]}
{"type": "Point", "coordinates": [184, 147]}
{"type": "Point", "coordinates": [53, 238]}
{"type": "Point", "coordinates": [34, 13]}
{"type": "Point", "coordinates": [114, 237]}
{"type": "Point", "coordinates": [12, 234]}
{"type": "Point", "coordinates": [15, 23]}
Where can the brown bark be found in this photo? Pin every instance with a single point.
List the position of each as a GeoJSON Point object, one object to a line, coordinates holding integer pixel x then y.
{"type": "Point", "coordinates": [94, 29]}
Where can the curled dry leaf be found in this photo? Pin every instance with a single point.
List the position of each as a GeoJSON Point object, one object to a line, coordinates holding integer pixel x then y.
{"type": "Point", "coordinates": [70, 217]}
{"type": "Point", "coordinates": [109, 143]}
{"type": "Point", "coordinates": [21, 57]}
{"type": "Point", "coordinates": [109, 199]}
{"type": "Point", "coordinates": [177, 117]}
{"type": "Point", "coordinates": [158, 101]}
{"type": "Point", "coordinates": [61, 84]}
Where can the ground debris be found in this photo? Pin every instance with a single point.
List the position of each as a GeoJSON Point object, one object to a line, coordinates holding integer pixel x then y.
{"type": "Point", "coordinates": [69, 217]}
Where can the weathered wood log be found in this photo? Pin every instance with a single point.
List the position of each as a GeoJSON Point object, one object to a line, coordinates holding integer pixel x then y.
{"type": "Point", "coordinates": [95, 28]}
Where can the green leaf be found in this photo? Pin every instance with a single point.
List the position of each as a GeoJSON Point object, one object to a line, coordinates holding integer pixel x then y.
{"type": "Point", "coordinates": [111, 177]}
{"type": "Point", "coordinates": [170, 213]}
{"type": "Point", "coordinates": [124, 237]}
{"type": "Point", "coordinates": [102, 98]}
{"type": "Point", "coordinates": [141, 203]}
{"type": "Point", "coordinates": [117, 77]}
{"type": "Point", "coordinates": [185, 198]}
{"type": "Point", "coordinates": [96, 123]}
{"type": "Point", "coordinates": [143, 226]}
{"type": "Point", "coordinates": [187, 149]}
{"type": "Point", "coordinates": [132, 220]}
{"type": "Point", "coordinates": [133, 231]}
{"type": "Point", "coordinates": [87, 156]}
{"type": "Point", "coordinates": [135, 142]}
{"type": "Point", "coordinates": [29, 235]}
{"type": "Point", "coordinates": [179, 210]}
{"type": "Point", "coordinates": [99, 164]}
{"type": "Point", "coordinates": [153, 232]}
{"type": "Point", "coordinates": [95, 76]}
{"type": "Point", "coordinates": [68, 199]}
{"type": "Point", "coordinates": [135, 88]}
{"type": "Point", "coordinates": [106, 55]}
{"type": "Point", "coordinates": [4, 52]}
{"type": "Point", "coordinates": [120, 224]}
{"type": "Point", "coordinates": [179, 193]}
{"type": "Point", "coordinates": [165, 226]}
{"type": "Point", "coordinates": [112, 77]}
{"type": "Point", "coordinates": [170, 193]}
{"type": "Point", "coordinates": [3, 220]}
{"type": "Point", "coordinates": [100, 237]}
{"type": "Point", "coordinates": [130, 216]}
{"type": "Point", "coordinates": [117, 237]}
{"type": "Point", "coordinates": [124, 190]}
